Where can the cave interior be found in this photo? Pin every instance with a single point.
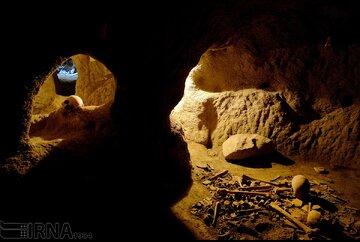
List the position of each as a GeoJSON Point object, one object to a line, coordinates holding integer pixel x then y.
{"type": "Point", "coordinates": [170, 104]}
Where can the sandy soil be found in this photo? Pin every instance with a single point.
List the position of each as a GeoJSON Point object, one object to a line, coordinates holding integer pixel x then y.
{"type": "Point", "coordinates": [344, 181]}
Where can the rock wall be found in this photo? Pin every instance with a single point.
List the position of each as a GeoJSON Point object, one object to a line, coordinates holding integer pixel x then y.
{"type": "Point", "coordinates": [211, 118]}
{"type": "Point", "coordinates": [45, 98]}
{"type": "Point", "coordinates": [287, 96]}
{"type": "Point", "coordinates": [96, 84]}
{"type": "Point", "coordinates": [333, 138]}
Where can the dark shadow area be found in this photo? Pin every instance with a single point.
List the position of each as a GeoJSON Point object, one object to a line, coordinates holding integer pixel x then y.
{"type": "Point", "coordinates": [334, 231]}
{"type": "Point", "coordinates": [101, 190]}
{"type": "Point", "coordinates": [325, 204]}
{"type": "Point", "coordinates": [264, 161]}
{"type": "Point", "coordinates": [329, 228]}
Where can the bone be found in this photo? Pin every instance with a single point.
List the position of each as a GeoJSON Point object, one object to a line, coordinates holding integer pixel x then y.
{"type": "Point", "coordinates": [300, 185]}
{"type": "Point", "coordinates": [221, 173]}
{"type": "Point", "coordinates": [313, 217]}
{"type": "Point", "coordinates": [216, 213]}
{"type": "Point", "coordinates": [245, 177]}
{"type": "Point", "coordinates": [278, 190]}
{"type": "Point", "coordinates": [337, 197]}
{"type": "Point", "coordinates": [256, 188]}
{"type": "Point", "coordinates": [72, 102]}
{"type": "Point", "coordinates": [275, 178]}
{"type": "Point", "coordinates": [293, 219]}
{"type": "Point", "coordinates": [244, 192]}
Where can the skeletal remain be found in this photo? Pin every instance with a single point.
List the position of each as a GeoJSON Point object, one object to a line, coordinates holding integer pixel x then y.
{"type": "Point", "coordinates": [279, 190]}
{"type": "Point", "coordinates": [256, 188]}
{"type": "Point", "coordinates": [244, 192]}
{"type": "Point", "coordinates": [73, 102]}
{"type": "Point", "coordinates": [216, 213]}
{"type": "Point", "coordinates": [249, 210]}
{"type": "Point", "coordinates": [300, 185]}
{"type": "Point", "coordinates": [293, 219]}
{"type": "Point", "coordinates": [218, 174]}
{"type": "Point", "coordinates": [313, 217]}
{"type": "Point", "coordinates": [337, 197]}
{"type": "Point", "coordinates": [275, 178]}
{"type": "Point", "coordinates": [248, 178]}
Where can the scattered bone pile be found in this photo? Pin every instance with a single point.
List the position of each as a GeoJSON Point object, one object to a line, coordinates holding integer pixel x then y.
{"type": "Point", "coordinates": [242, 207]}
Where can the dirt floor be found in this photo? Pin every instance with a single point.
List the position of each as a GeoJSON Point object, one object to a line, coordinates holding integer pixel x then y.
{"type": "Point", "coordinates": [344, 182]}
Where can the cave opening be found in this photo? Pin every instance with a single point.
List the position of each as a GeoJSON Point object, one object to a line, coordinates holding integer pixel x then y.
{"type": "Point", "coordinates": [72, 108]}
{"type": "Point", "coordinates": [65, 78]}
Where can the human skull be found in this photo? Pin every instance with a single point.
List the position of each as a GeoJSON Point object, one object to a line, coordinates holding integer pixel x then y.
{"type": "Point", "coordinates": [313, 217]}
{"type": "Point", "coordinates": [73, 102]}
{"type": "Point", "coordinates": [300, 186]}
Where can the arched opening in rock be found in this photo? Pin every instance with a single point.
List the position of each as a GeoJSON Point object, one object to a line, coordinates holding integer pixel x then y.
{"type": "Point", "coordinates": [65, 78]}
{"type": "Point", "coordinates": [71, 110]}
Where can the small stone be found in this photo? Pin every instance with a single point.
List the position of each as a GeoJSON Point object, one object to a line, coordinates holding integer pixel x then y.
{"type": "Point", "coordinates": [206, 182]}
{"type": "Point", "coordinates": [227, 202]}
{"type": "Point", "coordinates": [297, 202]}
{"type": "Point", "coordinates": [198, 205]}
{"type": "Point", "coordinates": [320, 170]}
{"type": "Point", "coordinates": [316, 207]}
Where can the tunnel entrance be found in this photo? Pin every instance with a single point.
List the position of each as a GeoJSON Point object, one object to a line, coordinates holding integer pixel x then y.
{"type": "Point", "coordinates": [65, 78]}
{"type": "Point", "coordinates": [71, 110]}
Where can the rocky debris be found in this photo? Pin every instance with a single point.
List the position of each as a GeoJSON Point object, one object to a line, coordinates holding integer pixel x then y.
{"type": "Point", "coordinates": [321, 170]}
{"type": "Point", "coordinates": [297, 202]}
{"type": "Point", "coordinates": [243, 207]}
{"type": "Point", "coordinates": [242, 146]}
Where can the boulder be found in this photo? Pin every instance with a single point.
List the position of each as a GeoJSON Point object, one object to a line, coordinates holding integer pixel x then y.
{"type": "Point", "coordinates": [242, 146]}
